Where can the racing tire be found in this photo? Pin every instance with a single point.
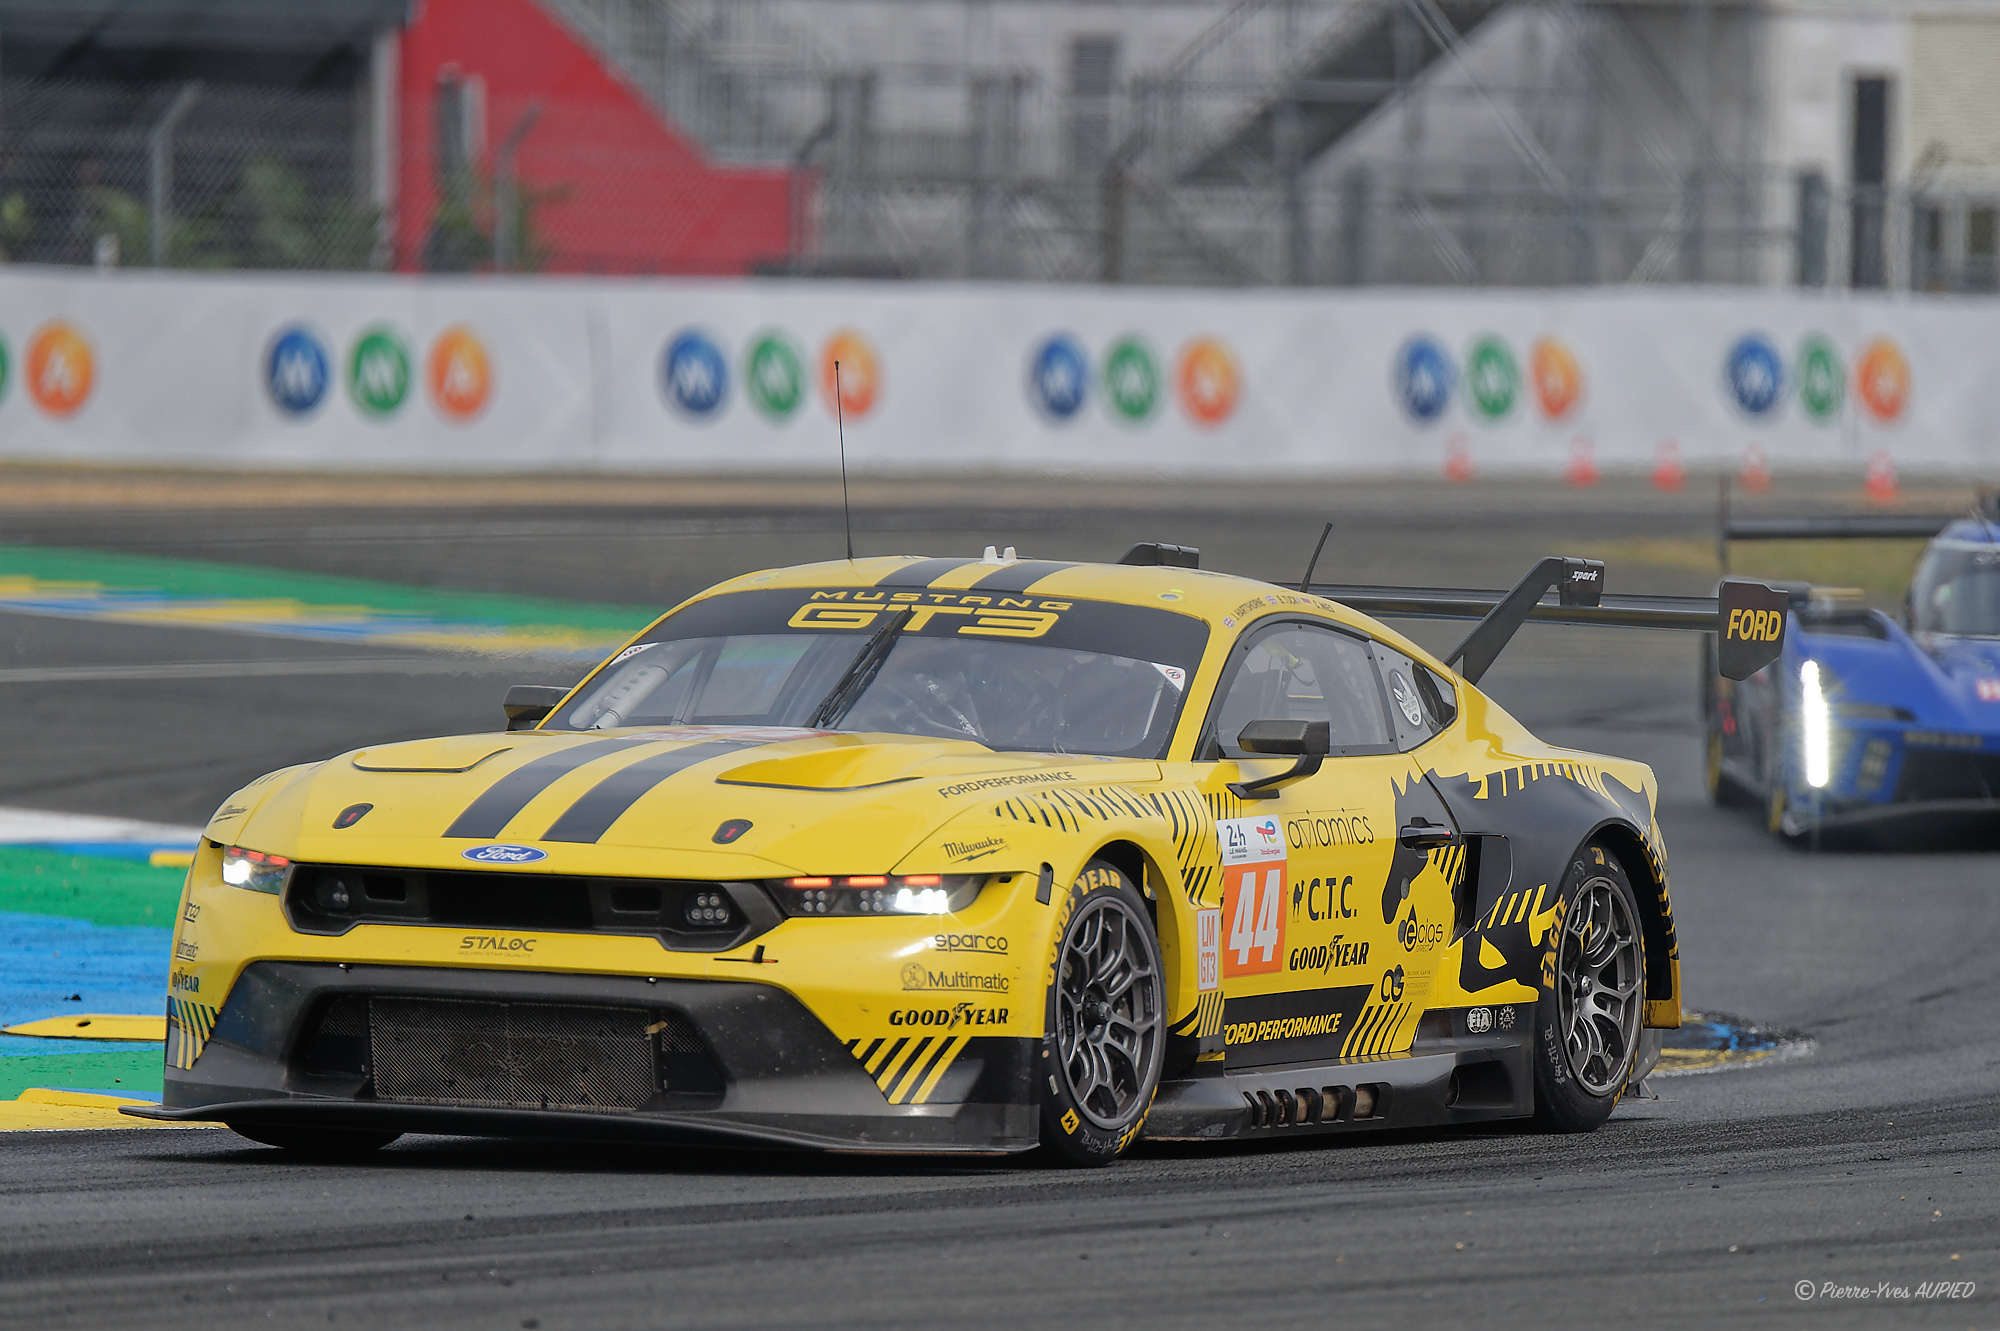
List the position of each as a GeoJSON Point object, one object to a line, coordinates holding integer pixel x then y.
{"type": "Point", "coordinates": [1106, 1021]}
{"type": "Point", "coordinates": [1591, 1013]}
{"type": "Point", "coordinates": [1722, 789]}
{"type": "Point", "coordinates": [310, 1143]}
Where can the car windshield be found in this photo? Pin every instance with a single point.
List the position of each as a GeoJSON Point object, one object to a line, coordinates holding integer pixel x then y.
{"type": "Point", "coordinates": [1009, 671]}
{"type": "Point", "coordinates": [1957, 590]}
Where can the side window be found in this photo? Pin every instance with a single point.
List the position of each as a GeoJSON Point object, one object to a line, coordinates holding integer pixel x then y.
{"type": "Point", "coordinates": [1421, 701]}
{"type": "Point", "coordinates": [1302, 672]}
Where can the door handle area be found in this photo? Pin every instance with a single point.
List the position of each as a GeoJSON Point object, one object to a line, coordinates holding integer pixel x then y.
{"type": "Point", "coordinates": [1420, 835]}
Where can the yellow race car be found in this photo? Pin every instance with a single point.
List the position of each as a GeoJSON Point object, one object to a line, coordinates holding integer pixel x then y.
{"type": "Point", "coordinates": [955, 855]}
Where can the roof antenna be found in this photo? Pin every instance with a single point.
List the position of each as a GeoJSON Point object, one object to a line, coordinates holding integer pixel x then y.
{"type": "Point", "coordinates": [1305, 583]}
{"type": "Point", "coordinates": [841, 424]}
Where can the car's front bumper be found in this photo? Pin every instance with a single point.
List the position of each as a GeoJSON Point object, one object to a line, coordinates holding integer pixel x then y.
{"type": "Point", "coordinates": [750, 1063]}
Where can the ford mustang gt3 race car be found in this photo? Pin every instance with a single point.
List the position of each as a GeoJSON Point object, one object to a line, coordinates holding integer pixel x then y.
{"type": "Point", "coordinates": [980, 855]}
{"type": "Point", "coordinates": [1865, 720]}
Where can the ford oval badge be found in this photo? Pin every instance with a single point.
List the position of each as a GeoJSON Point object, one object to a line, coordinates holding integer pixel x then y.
{"type": "Point", "coordinates": [505, 854]}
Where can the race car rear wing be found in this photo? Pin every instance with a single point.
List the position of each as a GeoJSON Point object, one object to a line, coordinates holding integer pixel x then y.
{"type": "Point", "coordinates": [1748, 618]}
{"type": "Point", "coordinates": [1840, 526]}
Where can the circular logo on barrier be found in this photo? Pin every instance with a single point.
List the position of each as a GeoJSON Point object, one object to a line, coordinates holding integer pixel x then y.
{"type": "Point", "coordinates": [1754, 375]}
{"type": "Point", "coordinates": [295, 370]}
{"type": "Point", "coordinates": [460, 375]}
{"type": "Point", "coordinates": [1558, 377]}
{"type": "Point", "coordinates": [1423, 379]}
{"type": "Point", "coordinates": [694, 375]}
{"type": "Point", "coordinates": [773, 376]}
{"type": "Point", "coordinates": [1058, 378]}
{"type": "Point", "coordinates": [860, 373]}
{"type": "Point", "coordinates": [1882, 380]}
{"type": "Point", "coordinates": [1208, 381]}
{"type": "Point", "coordinates": [60, 368]}
{"type": "Point", "coordinates": [378, 372]}
{"type": "Point", "coordinates": [1131, 379]}
{"type": "Point", "coordinates": [1491, 377]}
{"type": "Point", "coordinates": [1822, 382]}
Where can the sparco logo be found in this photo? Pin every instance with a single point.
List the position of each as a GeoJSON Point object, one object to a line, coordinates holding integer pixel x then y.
{"type": "Point", "coordinates": [994, 943]}
{"type": "Point", "coordinates": [504, 854]}
{"type": "Point", "coordinates": [494, 943]}
{"type": "Point", "coordinates": [958, 1014]}
{"type": "Point", "coordinates": [916, 976]}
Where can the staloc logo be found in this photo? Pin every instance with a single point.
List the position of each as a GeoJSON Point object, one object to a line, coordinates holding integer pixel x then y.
{"type": "Point", "coordinates": [504, 854]}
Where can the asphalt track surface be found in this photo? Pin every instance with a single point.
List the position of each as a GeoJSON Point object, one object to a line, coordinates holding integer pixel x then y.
{"type": "Point", "coordinates": [1871, 1160]}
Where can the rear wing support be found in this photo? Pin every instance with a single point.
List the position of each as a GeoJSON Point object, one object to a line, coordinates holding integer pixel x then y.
{"type": "Point", "coordinates": [1748, 618]}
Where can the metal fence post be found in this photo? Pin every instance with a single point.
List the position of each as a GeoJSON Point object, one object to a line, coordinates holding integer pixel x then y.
{"type": "Point", "coordinates": [160, 149]}
{"type": "Point", "coordinates": [1814, 211]}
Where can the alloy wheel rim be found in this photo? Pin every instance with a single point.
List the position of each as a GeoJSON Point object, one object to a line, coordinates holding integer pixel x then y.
{"type": "Point", "coordinates": [1597, 987]}
{"type": "Point", "coordinates": [1107, 1014]}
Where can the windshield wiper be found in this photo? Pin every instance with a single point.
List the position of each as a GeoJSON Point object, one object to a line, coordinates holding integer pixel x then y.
{"type": "Point", "coordinates": [861, 671]}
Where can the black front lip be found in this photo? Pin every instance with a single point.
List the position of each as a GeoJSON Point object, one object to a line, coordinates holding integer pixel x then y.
{"type": "Point", "coordinates": [787, 1079]}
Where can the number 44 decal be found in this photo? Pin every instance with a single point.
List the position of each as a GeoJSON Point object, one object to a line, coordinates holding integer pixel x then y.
{"type": "Point", "coordinates": [1253, 901]}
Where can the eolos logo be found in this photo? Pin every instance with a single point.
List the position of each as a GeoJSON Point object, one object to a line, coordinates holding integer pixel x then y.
{"type": "Point", "coordinates": [295, 371]}
{"type": "Point", "coordinates": [693, 374]}
{"type": "Point", "coordinates": [504, 854]}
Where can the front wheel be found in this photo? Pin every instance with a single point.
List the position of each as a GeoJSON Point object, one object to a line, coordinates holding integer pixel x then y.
{"type": "Point", "coordinates": [1106, 1029]}
{"type": "Point", "coordinates": [1593, 981]}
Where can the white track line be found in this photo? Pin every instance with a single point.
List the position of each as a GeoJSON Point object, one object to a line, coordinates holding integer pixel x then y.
{"type": "Point", "coordinates": [377, 665]}
{"type": "Point", "coordinates": [29, 826]}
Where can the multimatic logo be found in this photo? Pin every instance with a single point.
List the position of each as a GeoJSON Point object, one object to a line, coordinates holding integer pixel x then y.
{"type": "Point", "coordinates": [495, 943]}
{"type": "Point", "coordinates": [951, 1018]}
{"type": "Point", "coordinates": [919, 977]}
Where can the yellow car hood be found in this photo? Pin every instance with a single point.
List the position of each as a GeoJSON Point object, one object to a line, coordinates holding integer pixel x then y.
{"type": "Point", "coordinates": [815, 802]}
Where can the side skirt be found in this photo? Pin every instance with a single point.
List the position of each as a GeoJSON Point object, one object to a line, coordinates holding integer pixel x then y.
{"type": "Point", "coordinates": [1449, 1081]}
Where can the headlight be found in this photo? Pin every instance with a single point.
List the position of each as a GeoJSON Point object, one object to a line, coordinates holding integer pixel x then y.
{"type": "Point", "coordinates": [254, 870]}
{"type": "Point", "coordinates": [878, 894]}
{"type": "Point", "coordinates": [1815, 726]}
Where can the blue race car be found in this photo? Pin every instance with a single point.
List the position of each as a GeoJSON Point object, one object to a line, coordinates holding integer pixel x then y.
{"type": "Point", "coordinates": [1864, 719]}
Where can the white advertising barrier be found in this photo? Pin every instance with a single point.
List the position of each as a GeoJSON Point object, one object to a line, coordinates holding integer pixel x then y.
{"type": "Point", "coordinates": [716, 377]}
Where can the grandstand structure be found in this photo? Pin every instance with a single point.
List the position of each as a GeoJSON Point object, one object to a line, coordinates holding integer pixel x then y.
{"type": "Point", "coordinates": [1821, 143]}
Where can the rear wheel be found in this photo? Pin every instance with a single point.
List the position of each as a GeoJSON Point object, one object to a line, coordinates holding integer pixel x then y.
{"type": "Point", "coordinates": [1593, 980]}
{"type": "Point", "coordinates": [312, 1143]}
{"type": "Point", "coordinates": [1106, 1028]}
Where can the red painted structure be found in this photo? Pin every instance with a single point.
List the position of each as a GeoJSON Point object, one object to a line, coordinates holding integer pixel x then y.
{"type": "Point", "coordinates": [618, 189]}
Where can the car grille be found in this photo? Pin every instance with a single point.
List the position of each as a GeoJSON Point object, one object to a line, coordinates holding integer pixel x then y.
{"type": "Point", "coordinates": [684, 915]}
{"type": "Point", "coordinates": [475, 1053]}
{"type": "Point", "coordinates": [1930, 774]}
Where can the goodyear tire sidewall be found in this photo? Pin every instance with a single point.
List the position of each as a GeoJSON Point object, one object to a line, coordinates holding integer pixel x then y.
{"type": "Point", "coordinates": [1561, 1102]}
{"type": "Point", "coordinates": [1066, 1131]}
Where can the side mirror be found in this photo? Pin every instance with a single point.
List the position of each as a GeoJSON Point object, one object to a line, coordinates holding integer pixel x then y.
{"type": "Point", "coordinates": [528, 705]}
{"type": "Point", "coordinates": [1308, 741]}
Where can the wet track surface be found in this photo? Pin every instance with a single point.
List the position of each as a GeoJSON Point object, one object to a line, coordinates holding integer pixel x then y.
{"type": "Point", "coordinates": [1872, 1159]}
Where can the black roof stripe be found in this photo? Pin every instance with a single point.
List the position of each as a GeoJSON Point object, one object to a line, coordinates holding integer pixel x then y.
{"type": "Point", "coordinates": [604, 803]}
{"type": "Point", "coordinates": [922, 573]}
{"type": "Point", "coordinates": [1020, 575]}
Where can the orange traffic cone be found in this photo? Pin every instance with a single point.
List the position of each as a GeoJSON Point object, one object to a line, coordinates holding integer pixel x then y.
{"type": "Point", "coordinates": [1582, 469]}
{"type": "Point", "coordinates": [1457, 462]}
{"type": "Point", "coordinates": [1755, 476]}
{"type": "Point", "coordinates": [1881, 480]}
{"type": "Point", "coordinates": [1668, 473]}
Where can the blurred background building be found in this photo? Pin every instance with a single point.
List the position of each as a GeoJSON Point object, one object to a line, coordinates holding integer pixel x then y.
{"type": "Point", "coordinates": [1808, 143]}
